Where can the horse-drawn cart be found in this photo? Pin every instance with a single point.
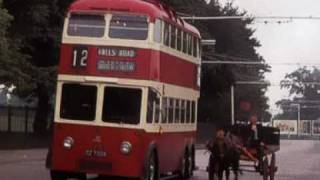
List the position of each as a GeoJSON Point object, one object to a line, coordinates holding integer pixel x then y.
{"type": "Point", "coordinates": [254, 156]}
{"type": "Point", "coordinates": [260, 157]}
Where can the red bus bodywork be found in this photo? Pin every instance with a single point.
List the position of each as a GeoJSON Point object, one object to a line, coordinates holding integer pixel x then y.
{"type": "Point", "coordinates": [151, 65]}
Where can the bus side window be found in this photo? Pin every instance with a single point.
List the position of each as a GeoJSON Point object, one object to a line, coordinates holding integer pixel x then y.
{"type": "Point", "coordinates": [171, 110]}
{"type": "Point", "coordinates": [157, 110]}
{"type": "Point", "coordinates": [189, 44]}
{"type": "Point", "coordinates": [153, 107]}
{"type": "Point", "coordinates": [195, 47]}
{"type": "Point", "coordinates": [177, 111]}
{"type": "Point", "coordinates": [165, 110]}
{"type": "Point", "coordinates": [183, 111]}
{"type": "Point", "coordinates": [179, 40]}
{"type": "Point", "coordinates": [185, 41]}
{"type": "Point", "coordinates": [166, 36]}
{"type": "Point", "coordinates": [193, 114]}
{"type": "Point", "coordinates": [199, 48]}
{"type": "Point", "coordinates": [173, 38]}
{"type": "Point", "coordinates": [188, 112]}
{"type": "Point", "coordinates": [157, 34]}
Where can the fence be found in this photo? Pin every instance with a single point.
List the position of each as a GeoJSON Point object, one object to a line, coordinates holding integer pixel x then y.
{"type": "Point", "coordinates": [18, 119]}
{"type": "Point", "coordinates": [306, 128]}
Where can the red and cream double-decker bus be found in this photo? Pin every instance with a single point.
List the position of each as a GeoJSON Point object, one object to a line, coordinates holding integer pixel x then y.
{"type": "Point", "coordinates": [127, 92]}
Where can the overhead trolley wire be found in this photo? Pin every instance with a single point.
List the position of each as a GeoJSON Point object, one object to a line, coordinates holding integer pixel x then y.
{"type": "Point", "coordinates": [216, 59]}
{"type": "Point", "coordinates": [250, 17]}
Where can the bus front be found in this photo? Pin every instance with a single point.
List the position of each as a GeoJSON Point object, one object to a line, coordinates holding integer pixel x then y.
{"type": "Point", "coordinates": [101, 96]}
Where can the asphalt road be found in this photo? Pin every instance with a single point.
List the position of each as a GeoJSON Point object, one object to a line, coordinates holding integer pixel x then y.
{"type": "Point", "coordinates": [297, 160]}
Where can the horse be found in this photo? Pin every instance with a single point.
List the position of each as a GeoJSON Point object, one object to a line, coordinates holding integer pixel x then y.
{"type": "Point", "coordinates": [225, 154]}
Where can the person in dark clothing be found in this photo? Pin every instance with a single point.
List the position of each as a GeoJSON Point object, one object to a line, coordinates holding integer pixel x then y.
{"type": "Point", "coordinates": [254, 140]}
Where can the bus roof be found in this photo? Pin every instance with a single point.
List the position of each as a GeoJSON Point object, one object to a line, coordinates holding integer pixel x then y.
{"type": "Point", "coordinates": [153, 8]}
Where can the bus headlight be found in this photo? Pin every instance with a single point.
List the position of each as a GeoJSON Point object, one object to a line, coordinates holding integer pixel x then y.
{"type": "Point", "coordinates": [126, 148]}
{"type": "Point", "coordinates": [68, 143]}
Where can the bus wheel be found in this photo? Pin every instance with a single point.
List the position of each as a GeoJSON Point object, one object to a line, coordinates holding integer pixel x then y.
{"type": "Point", "coordinates": [58, 175]}
{"type": "Point", "coordinates": [189, 164]}
{"type": "Point", "coordinates": [184, 167]}
{"type": "Point", "coordinates": [152, 169]}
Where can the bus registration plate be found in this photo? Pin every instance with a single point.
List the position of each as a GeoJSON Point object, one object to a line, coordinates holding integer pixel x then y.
{"type": "Point", "coordinates": [95, 153]}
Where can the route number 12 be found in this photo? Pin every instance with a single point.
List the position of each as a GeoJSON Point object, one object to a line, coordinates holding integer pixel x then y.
{"type": "Point", "coordinates": [80, 56]}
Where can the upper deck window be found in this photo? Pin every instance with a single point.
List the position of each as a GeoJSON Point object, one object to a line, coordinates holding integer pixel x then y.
{"type": "Point", "coordinates": [129, 27]}
{"type": "Point", "coordinates": [179, 39]}
{"type": "Point", "coordinates": [195, 46]}
{"type": "Point", "coordinates": [121, 105]}
{"type": "Point", "coordinates": [166, 33]}
{"type": "Point", "coordinates": [157, 31]}
{"type": "Point", "coordinates": [78, 102]}
{"type": "Point", "coordinates": [86, 25]}
{"type": "Point", "coordinates": [189, 44]}
{"type": "Point", "coordinates": [173, 36]}
{"type": "Point", "coordinates": [185, 41]}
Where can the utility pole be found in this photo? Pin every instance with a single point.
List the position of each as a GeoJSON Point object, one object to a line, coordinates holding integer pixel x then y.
{"type": "Point", "coordinates": [299, 117]}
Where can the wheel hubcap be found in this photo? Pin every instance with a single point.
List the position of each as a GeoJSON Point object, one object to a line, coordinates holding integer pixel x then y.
{"type": "Point", "coordinates": [151, 171]}
{"type": "Point", "coordinates": [190, 164]}
{"type": "Point", "coordinates": [183, 167]}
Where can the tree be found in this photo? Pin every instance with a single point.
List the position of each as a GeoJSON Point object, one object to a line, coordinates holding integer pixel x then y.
{"type": "Point", "coordinates": [303, 85]}
{"type": "Point", "coordinates": [5, 20]}
{"type": "Point", "coordinates": [37, 26]}
{"type": "Point", "coordinates": [14, 70]}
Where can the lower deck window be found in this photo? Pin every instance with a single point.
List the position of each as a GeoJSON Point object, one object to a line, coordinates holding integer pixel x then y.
{"type": "Point", "coordinates": [78, 102]}
{"type": "Point", "coordinates": [153, 109]}
{"type": "Point", "coordinates": [121, 105]}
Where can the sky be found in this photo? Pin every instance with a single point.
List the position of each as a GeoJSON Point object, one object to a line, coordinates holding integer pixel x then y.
{"type": "Point", "coordinates": [294, 42]}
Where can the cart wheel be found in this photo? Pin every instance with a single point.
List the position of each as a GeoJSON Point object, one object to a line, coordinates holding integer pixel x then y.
{"type": "Point", "coordinates": [272, 166]}
{"type": "Point", "coordinates": [265, 168]}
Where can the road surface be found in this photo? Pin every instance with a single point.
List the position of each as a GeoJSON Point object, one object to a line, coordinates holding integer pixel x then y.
{"type": "Point", "coordinates": [297, 160]}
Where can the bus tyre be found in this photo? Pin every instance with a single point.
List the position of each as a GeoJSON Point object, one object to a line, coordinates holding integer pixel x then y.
{"type": "Point", "coordinates": [152, 168]}
{"type": "Point", "coordinates": [185, 167]}
{"type": "Point", "coordinates": [189, 164]}
{"type": "Point", "coordinates": [58, 175]}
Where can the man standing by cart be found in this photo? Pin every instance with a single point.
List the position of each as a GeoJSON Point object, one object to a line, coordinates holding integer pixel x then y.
{"type": "Point", "coordinates": [254, 140]}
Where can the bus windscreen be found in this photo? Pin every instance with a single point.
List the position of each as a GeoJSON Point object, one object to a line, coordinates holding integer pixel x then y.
{"type": "Point", "coordinates": [132, 27]}
{"type": "Point", "coordinates": [121, 105]}
{"type": "Point", "coordinates": [86, 25]}
{"type": "Point", "coordinates": [78, 102]}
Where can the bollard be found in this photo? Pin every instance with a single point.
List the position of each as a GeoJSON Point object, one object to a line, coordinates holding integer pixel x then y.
{"type": "Point", "coordinates": [26, 117]}
{"type": "Point", "coordinates": [9, 119]}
